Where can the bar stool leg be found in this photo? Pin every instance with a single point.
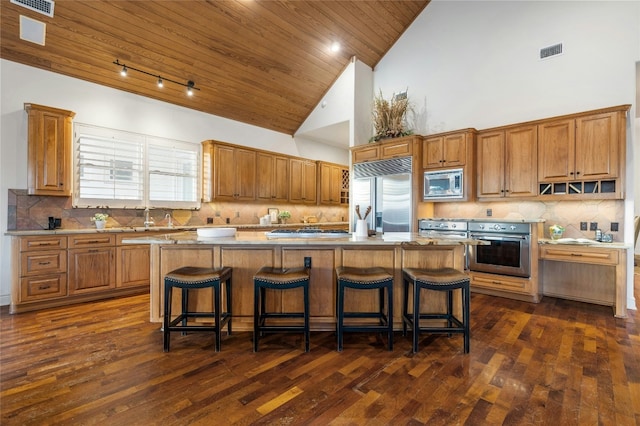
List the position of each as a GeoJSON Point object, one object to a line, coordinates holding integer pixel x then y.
{"type": "Point", "coordinates": [256, 316]}
{"type": "Point", "coordinates": [340, 310]}
{"type": "Point", "coordinates": [216, 306]}
{"type": "Point", "coordinates": [466, 301]}
{"type": "Point", "coordinates": [416, 316]}
{"type": "Point", "coordinates": [229, 304]}
{"type": "Point", "coordinates": [307, 332]}
{"type": "Point", "coordinates": [165, 329]}
{"type": "Point", "coordinates": [389, 315]}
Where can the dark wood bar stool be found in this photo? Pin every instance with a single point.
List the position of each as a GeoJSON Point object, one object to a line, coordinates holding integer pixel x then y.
{"type": "Point", "coordinates": [365, 279]}
{"type": "Point", "coordinates": [446, 279]}
{"type": "Point", "coordinates": [191, 277]}
{"type": "Point", "coordinates": [279, 279]}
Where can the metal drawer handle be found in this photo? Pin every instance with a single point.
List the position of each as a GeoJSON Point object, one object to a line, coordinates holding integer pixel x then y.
{"type": "Point", "coordinates": [43, 263]}
{"type": "Point", "coordinates": [44, 287]}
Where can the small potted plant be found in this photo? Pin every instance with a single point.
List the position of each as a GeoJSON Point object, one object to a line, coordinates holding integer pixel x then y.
{"type": "Point", "coordinates": [284, 215]}
{"type": "Point", "coordinates": [100, 219]}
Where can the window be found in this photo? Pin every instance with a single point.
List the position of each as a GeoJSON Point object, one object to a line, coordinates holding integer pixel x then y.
{"type": "Point", "coordinates": [127, 170]}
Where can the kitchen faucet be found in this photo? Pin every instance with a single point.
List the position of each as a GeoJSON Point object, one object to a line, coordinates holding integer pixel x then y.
{"type": "Point", "coordinates": [148, 220]}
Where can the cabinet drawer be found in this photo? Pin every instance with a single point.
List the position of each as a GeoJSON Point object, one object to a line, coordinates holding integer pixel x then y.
{"type": "Point", "coordinates": [43, 243]}
{"type": "Point", "coordinates": [42, 262]}
{"type": "Point", "coordinates": [499, 282]}
{"type": "Point", "coordinates": [43, 287]}
{"type": "Point", "coordinates": [593, 255]}
{"type": "Point", "coordinates": [93, 240]}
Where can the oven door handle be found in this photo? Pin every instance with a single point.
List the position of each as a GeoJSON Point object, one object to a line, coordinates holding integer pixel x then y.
{"type": "Point", "coordinates": [499, 238]}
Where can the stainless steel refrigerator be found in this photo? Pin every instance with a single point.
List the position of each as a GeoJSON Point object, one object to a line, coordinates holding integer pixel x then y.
{"type": "Point", "coordinates": [385, 186]}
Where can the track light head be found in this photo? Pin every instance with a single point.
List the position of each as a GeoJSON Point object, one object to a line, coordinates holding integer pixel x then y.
{"type": "Point", "coordinates": [190, 85]}
{"type": "Point", "coordinates": [124, 71]}
{"type": "Point", "coordinates": [160, 83]}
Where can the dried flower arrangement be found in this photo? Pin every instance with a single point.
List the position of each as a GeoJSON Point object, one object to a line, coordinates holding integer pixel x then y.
{"type": "Point", "coordinates": [389, 116]}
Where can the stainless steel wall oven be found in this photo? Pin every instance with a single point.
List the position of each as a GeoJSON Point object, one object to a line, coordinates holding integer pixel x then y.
{"type": "Point", "coordinates": [508, 251]}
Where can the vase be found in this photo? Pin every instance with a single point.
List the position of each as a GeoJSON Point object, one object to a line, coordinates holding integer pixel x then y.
{"type": "Point", "coordinates": [100, 224]}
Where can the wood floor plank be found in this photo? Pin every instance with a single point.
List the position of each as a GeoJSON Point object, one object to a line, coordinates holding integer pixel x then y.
{"type": "Point", "coordinates": [556, 362]}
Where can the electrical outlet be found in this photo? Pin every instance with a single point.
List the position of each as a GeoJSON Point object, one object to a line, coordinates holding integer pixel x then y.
{"type": "Point", "coordinates": [237, 214]}
{"type": "Point", "coordinates": [593, 226]}
{"type": "Point", "coordinates": [489, 212]}
{"type": "Point", "coordinates": [583, 226]}
{"type": "Point", "coordinates": [614, 226]}
{"type": "Point", "coordinates": [217, 214]}
{"type": "Point", "coordinates": [209, 220]}
{"type": "Point", "coordinates": [307, 262]}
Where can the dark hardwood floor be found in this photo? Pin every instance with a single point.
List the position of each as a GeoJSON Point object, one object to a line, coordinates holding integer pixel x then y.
{"type": "Point", "coordinates": [557, 362]}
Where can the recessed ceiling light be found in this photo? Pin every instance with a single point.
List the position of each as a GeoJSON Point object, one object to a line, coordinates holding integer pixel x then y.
{"type": "Point", "coordinates": [335, 46]}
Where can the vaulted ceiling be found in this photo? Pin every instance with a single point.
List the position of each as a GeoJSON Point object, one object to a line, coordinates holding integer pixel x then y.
{"type": "Point", "coordinates": [263, 62]}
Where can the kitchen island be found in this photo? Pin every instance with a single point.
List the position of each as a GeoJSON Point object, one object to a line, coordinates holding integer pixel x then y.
{"type": "Point", "coordinates": [249, 251]}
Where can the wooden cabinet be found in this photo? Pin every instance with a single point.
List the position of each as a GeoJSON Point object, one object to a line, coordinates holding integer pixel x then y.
{"type": "Point", "coordinates": [49, 145]}
{"type": "Point", "coordinates": [447, 150]}
{"type": "Point", "coordinates": [234, 173]}
{"type": "Point", "coordinates": [272, 177]}
{"type": "Point", "coordinates": [506, 162]}
{"type": "Point", "coordinates": [334, 184]}
{"type": "Point", "coordinates": [132, 263]}
{"type": "Point", "coordinates": [593, 274]}
{"type": "Point", "coordinates": [303, 182]}
{"type": "Point", "coordinates": [40, 269]}
{"type": "Point", "coordinates": [581, 148]}
{"type": "Point", "coordinates": [91, 263]}
{"type": "Point", "coordinates": [391, 148]}
{"type": "Point", "coordinates": [583, 155]}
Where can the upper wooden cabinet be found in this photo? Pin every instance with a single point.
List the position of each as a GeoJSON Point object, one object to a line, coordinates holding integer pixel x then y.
{"type": "Point", "coordinates": [233, 174]}
{"type": "Point", "coordinates": [391, 148]}
{"type": "Point", "coordinates": [49, 148]}
{"type": "Point", "coordinates": [334, 184]}
{"type": "Point", "coordinates": [447, 150]}
{"type": "Point", "coordinates": [272, 177]}
{"type": "Point", "coordinates": [506, 162]}
{"type": "Point", "coordinates": [303, 182]}
{"type": "Point", "coordinates": [580, 148]}
{"type": "Point", "coordinates": [583, 155]}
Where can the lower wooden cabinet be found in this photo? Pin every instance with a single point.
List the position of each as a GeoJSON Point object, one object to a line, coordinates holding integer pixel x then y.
{"type": "Point", "coordinates": [60, 269]}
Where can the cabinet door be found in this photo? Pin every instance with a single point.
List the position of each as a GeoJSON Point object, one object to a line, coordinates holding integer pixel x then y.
{"type": "Point", "coordinates": [245, 171]}
{"type": "Point", "coordinates": [272, 177]}
{"type": "Point", "coordinates": [49, 151]}
{"type": "Point", "coordinates": [556, 151]}
{"type": "Point", "coordinates": [330, 183]}
{"type": "Point", "coordinates": [432, 153]}
{"type": "Point", "coordinates": [597, 147]}
{"type": "Point", "coordinates": [133, 266]}
{"type": "Point", "coordinates": [91, 269]}
{"type": "Point", "coordinates": [303, 181]}
{"type": "Point", "coordinates": [395, 149]}
{"type": "Point", "coordinates": [491, 164]}
{"type": "Point", "coordinates": [455, 150]}
{"type": "Point", "coordinates": [224, 173]}
{"type": "Point", "coordinates": [520, 162]}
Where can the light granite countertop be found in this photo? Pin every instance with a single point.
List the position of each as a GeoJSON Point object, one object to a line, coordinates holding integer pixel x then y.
{"type": "Point", "coordinates": [260, 238]}
{"type": "Point", "coordinates": [584, 242]}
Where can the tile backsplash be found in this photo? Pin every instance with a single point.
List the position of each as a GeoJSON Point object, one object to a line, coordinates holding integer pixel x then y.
{"type": "Point", "coordinates": [566, 213]}
{"type": "Point", "coordinates": [32, 212]}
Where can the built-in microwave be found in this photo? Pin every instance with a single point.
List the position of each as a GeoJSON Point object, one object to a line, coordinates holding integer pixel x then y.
{"type": "Point", "coordinates": [443, 184]}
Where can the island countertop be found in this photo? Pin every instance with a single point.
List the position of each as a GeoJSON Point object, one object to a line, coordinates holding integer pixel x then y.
{"type": "Point", "coordinates": [260, 238]}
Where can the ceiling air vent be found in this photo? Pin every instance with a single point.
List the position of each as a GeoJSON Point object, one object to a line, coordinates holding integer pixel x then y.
{"type": "Point", "coordinates": [41, 6]}
{"type": "Point", "coordinates": [547, 52]}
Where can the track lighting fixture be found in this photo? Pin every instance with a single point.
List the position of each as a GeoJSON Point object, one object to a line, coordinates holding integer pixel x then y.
{"type": "Point", "coordinates": [190, 85]}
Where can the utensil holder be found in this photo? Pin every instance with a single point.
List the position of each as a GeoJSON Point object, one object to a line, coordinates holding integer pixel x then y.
{"type": "Point", "coordinates": [361, 228]}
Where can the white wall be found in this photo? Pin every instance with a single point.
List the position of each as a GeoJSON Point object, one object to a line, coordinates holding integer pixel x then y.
{"type": "Point", "coordinates": [475, 64]}
{"type": "Point", "coordinates": [102, 106]}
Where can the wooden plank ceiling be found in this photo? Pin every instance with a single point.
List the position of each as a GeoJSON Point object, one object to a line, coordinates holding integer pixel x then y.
{"type": "Point", "coordinates": [261, 62]}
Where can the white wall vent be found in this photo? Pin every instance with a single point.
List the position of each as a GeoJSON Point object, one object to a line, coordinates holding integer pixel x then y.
{"type": "Point", "coordinates": [547, 52]}
{"type": "Point", "coordinates": [41, 6]}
